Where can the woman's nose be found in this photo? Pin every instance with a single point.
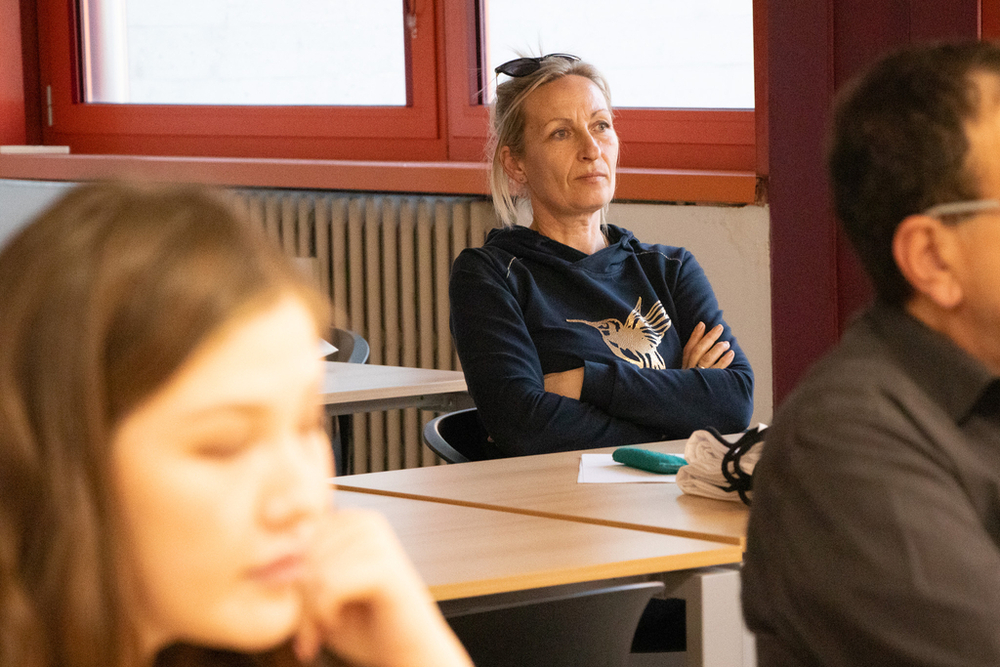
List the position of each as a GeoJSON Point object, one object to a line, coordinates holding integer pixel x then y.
{"type": "Point", "coordinates": [297, 486]}
{"type": "Point", "coordinates": [589, 148]}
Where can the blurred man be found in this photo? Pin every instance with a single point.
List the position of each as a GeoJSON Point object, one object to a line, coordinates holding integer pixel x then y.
{"type": "Point", "coordinates": [874, 537]}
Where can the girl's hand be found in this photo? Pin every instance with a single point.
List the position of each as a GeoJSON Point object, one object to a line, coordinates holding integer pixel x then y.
{"type": "Point", "coordinates": [365, 602]}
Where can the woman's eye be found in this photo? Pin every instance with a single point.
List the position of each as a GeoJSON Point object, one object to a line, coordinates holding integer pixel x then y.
{"type": "Point", "coordinates": [604, 125]}
{"type": "Point", "coordinates": [560, 134]}
{"type": "Point", "coordinates": [222, 448]}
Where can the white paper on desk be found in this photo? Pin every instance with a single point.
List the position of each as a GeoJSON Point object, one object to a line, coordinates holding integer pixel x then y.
{"type": "Point", "coordinates": [602, 469]}
{"type": "Point", "coordinates": [325, 348]}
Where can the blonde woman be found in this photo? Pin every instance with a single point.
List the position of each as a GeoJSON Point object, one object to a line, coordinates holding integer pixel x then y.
{"type": "Point", "coordinates": [573, 334]}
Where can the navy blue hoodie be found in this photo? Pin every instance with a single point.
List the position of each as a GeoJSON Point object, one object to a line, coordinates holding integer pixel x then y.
{"type": "Point", "coordinates": [525, 305]}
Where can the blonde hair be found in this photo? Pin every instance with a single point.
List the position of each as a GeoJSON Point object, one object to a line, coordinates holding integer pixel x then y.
{"type": "Point", "coordinates": [507, 122]}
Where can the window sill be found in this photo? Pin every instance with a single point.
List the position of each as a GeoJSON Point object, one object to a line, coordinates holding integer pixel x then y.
{"type": "Point", "coordinates": [657, 185]}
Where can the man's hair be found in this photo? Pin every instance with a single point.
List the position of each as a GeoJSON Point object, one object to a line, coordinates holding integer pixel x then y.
{"type": "Point", "coordinates": [899, 146]}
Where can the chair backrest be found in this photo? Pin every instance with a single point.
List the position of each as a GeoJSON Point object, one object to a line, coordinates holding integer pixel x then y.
{"type": "Point", "coordinates": [351, 347]}
{"type": "Point", "coordinates": [592, 628]}
{"type": "Point", "coordinates": [459, 436]}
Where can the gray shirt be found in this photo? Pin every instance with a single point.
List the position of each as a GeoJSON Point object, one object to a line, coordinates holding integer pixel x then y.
{"type": "Point", "coordinates": [874, 535]}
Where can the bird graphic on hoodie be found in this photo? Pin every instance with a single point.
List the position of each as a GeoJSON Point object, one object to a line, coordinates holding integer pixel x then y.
{"type": "Point", "coordinates": [636, 341]}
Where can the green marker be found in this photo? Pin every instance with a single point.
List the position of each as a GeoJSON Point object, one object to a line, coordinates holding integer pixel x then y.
{"type": "Point", "coordinates": [644, 459]}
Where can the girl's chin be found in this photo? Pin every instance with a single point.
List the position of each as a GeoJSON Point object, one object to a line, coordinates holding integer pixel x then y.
{"type": "Point", "coordinates": [259, 627]}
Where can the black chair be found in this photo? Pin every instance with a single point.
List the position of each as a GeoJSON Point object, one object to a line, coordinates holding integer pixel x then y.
{"type": "Point", "coordinates": [352, 349]}
{"type": "Point", "coordinates": [459, 436]}
{"type": "Point", "coordinates": [562, 629]}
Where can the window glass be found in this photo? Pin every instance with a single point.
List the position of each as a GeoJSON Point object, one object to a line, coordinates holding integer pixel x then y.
{"type": "Point", "coordinates": [654, 53]}
{"type": "Point", "coordinates": [247, 52]}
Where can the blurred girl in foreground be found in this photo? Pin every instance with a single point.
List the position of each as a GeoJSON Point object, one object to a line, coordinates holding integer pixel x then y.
{"type": "Point", "coordinates": [164, 494]}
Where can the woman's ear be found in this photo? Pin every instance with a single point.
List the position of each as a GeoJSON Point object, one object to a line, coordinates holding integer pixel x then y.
{"type": "Point", "coordinates": [926, 252]}
{"type": "Point", "coordinates": [512, 166]}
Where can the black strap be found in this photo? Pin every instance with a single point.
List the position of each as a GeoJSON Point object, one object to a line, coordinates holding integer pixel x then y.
{"type": "Point", "coordinates": [739, 481]}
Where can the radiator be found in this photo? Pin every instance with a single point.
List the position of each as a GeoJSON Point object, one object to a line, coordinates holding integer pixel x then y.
{"type": "Point", "coordinates": [384, 260]}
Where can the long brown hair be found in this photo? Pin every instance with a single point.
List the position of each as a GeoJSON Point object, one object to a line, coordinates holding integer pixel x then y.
{"type": "Point", "coordinates": [102, 298]}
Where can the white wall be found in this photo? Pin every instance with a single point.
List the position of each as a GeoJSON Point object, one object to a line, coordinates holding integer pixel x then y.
{"type": "Point", "coordinates": [731, 244]}
{"type": "Point", "coordinates": [21, 200]}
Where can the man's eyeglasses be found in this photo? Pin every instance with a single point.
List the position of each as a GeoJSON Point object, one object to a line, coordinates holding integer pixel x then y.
{"type": "Point", "coordinates": [962, 208]}
{"type": "Point", "coordinates": [524, 66]}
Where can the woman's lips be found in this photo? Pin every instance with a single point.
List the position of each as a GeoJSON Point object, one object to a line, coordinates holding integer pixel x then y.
{"type": "Point", "coordinates": [280, 571]}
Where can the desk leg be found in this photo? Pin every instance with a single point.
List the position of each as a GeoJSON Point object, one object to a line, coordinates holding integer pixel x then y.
{"type": "Point", "coordinates": [716, 636]}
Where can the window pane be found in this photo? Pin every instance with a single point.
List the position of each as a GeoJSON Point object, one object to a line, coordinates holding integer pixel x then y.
{"type": "Point", "coordinates": [260, 52]}
{"type": "Point", "coordinates": [654, 53]}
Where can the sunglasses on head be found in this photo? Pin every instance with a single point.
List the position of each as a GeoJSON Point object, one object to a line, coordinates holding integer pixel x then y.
{"type": "Point", "coordinates": [525, 66]}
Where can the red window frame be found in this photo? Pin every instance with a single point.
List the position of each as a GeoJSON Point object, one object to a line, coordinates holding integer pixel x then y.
{"type": "Point", "coordinates": [442, 121]}
{"type": "Point", "coordinates": [989, 19]}
{"type": "Point", "coordinates": [379, 133]}
{"type": "Point", "coordinates": [651, 138]}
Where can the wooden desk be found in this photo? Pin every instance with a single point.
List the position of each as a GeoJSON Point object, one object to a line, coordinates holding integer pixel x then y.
{"type": "Point", "coordinates": [546, 486]}
{"type": "Point", "coordinates": [349, 388]}
{"type": "Point", "coordinates": [466, 551]}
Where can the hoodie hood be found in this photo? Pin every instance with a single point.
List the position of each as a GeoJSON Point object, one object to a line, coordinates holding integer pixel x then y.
{"type": "Point", "coordinates": [527, 244]}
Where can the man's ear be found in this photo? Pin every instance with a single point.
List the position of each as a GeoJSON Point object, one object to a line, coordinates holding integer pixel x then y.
{"type": "Point", "coordinates": [926, 253]}
{"type": "Point", "coordinates": [512, 166]}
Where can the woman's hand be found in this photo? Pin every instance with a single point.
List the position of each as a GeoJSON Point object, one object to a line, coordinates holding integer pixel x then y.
{"type": "Point", "coordinates": [365, 602]}
{"type": "Point", "coordinates": [702, 350]}
{"type": "Point", "coordinates": [565, 383]}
